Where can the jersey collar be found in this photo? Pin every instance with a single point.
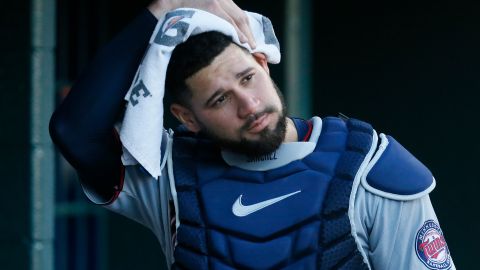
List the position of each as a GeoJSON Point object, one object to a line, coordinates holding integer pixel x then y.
{"type": "Point", "coordinates": [286, 153]}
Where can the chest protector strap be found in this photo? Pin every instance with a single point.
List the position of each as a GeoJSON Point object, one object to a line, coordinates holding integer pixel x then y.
{"type": "Point", "coordinates": [307, 227]}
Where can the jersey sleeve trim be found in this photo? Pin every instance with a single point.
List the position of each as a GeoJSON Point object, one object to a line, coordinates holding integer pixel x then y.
{"type": "Point", "coordinates": [394, 173]}
{"type": "Point", "coordinates": [96, 199]}
{"type": "Point", "coordinates": [353, 199]}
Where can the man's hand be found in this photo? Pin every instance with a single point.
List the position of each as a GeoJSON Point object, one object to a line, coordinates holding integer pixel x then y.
{"type": "Point", "coordinates": [225, 9]}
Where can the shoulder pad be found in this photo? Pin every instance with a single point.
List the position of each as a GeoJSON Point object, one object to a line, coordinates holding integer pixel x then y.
{"type": "Point", "coordinates": [395, 173]}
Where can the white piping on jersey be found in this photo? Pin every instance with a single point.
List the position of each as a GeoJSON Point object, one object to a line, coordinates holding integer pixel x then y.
{"type": "Point", "coordinates": [171, 179]}
{"type": "Point", "coordinates": [165, 155]}
{"type": "Point", "coordinates": [353, 193]}
{"type": "Point", "coordinates": [383, 146]}
{"type": "Point", "coordinates": [165, 197]}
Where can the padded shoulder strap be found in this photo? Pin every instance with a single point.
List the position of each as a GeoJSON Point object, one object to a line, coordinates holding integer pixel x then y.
{"type": "Point", "coordinates": [395, 173]}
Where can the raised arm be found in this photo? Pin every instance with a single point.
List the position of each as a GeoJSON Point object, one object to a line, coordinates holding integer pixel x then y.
{"type": "Point", "coordinates": [82, 126]}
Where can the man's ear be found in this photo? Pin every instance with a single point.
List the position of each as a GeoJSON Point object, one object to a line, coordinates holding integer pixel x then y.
{"type": "Point", "coordinates": [185, 116]}
{"type": "Point", "coordinates": [262, 60]}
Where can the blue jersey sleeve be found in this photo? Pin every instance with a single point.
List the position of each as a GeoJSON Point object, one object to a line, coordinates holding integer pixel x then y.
{"type": "Point", "coordinates": [82, 127]}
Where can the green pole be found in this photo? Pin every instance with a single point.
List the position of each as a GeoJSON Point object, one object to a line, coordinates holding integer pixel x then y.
{"type": "Point", "coordinates": [298, 55]}
{"type": "Point", "coordinates": [41, 151]}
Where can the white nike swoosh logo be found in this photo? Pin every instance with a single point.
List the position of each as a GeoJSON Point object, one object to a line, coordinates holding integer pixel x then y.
{"type": "Point", "coordinates": [241, 210]}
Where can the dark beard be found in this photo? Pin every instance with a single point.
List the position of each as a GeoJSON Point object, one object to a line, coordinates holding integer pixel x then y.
{"type": "Point", "coordinates": [268, 142]}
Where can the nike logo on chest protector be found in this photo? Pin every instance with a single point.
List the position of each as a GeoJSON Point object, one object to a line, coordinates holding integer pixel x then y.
{"type": "Point", "coordinates": [241, 210]}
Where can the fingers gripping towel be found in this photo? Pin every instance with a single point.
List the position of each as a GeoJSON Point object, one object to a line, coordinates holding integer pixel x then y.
{"type": "Point", "coordinates": [142, 127]}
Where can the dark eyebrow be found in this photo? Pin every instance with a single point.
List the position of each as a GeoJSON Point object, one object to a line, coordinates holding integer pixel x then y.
{"type": "Point", "coordinates": [243, 73]}
{"type": "Point", "coordinates": [212, 97]}
{"type": "Point", "coordinates": [221, 90]}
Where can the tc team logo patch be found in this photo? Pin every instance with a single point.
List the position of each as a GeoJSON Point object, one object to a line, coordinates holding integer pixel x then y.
{"type": "Point", "coordinates": [431, 247]}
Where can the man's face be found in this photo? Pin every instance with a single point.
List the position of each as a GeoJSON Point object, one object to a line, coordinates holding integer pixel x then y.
{"type": "Point", "coordinates": [235, 102]}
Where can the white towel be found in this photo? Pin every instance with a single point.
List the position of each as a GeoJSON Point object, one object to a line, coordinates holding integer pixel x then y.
{"type": "Point", "coordinates": [142, 127]}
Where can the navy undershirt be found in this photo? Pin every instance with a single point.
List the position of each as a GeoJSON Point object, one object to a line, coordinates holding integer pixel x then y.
{"type": "Point", "coordinates": [303, 128]}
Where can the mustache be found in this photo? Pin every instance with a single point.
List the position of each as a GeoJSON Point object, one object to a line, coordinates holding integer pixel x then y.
{"type": "Point", "coordinates": [254, 116]}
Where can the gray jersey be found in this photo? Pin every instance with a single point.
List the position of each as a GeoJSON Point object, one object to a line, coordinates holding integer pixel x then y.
{"type": "Point", "coordinates": [391, 232]}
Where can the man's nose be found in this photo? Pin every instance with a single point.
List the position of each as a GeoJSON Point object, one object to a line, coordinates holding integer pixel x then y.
{"type": "Point", "coordinates": [247, 104]}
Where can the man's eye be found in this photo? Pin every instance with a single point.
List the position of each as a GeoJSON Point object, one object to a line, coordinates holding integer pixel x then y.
{"type": "Point", "coordinates": [220, 100]}
{"type": "Point", "coordinates": [247, 78]}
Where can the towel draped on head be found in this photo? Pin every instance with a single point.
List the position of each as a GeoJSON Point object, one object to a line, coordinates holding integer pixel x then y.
{"type": "Point", "coordinates": [142, 126]}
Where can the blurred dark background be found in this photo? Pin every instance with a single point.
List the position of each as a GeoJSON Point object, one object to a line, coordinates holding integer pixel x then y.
{"type": "Point", "coordinates": [409, 68]}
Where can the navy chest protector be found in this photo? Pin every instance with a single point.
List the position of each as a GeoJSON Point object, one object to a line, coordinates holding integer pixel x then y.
{"type": "Point", "coordinates": [291, 217]}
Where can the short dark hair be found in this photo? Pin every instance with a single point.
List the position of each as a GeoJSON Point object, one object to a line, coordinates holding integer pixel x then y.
{"type": "Point", "coordinates": [188, 58]}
